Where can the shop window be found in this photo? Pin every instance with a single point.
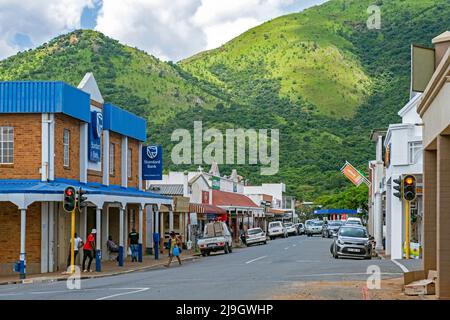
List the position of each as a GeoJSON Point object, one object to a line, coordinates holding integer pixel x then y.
{"type": "Point", "coordinates": [112, 150]}
{"type": "Point", "coordinates": [6, 145]}
{"type": "Point", "coordinates": [66, 147]}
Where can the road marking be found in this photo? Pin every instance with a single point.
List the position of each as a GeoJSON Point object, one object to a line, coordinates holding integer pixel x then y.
{"type": "Point", "coordinates": [260, 258]}
{"type": "Point", "coordinates": [135, 290]}
{"type": "Point", "coordinates": [308, 261]}
{"type": "Point", "coordinates": [404, 269]}
{"type": "Point", "coordinates": [286, 248]}
{"type": "Point", "coordinates": [294, 245]}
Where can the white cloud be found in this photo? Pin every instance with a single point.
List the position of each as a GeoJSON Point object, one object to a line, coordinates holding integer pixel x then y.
{"type": "Point", "coordinates": [179, 28]}
{"type": "Point", "coordinates": [171, 30]}
{"type": "Point", "coordinates": [39, 20]}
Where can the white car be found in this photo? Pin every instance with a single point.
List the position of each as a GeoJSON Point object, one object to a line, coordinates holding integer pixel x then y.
{"type": "Point", "coordinates": [216, 237]}
{"type": "Point", "coordinates": [276, 229]}
{"type": "Point", "coordinates": [291, 229]}
{"type": "Point", "coordinates": [254, 236]}
{"type": "Point", "coordinates": [353, 221]}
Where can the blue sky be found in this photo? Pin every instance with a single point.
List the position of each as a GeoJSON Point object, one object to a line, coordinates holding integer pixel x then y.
{"type": "Point", "coordinates": [169, 30]}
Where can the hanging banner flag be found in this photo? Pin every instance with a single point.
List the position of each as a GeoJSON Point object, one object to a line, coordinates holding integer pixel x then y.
{"type": "Point", "coordinates": [152, 163]}
{"type": "Point", "coordinates": [353, 175]}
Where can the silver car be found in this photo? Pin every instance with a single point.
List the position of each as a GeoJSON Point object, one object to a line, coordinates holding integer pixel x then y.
{"type": "Point", "coordinates": [352, 241]}
{"type": "Point", "coordinates": [313, 227]}
{"type": "Point", "coordinates": [254, 236]}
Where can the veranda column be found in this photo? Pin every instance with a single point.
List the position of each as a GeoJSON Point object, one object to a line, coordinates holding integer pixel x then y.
{"type": "Point", "coordinates": [23, 227]}
{"type": "Point", "coordinates": [98, 240]}
{"type": "Point", "coordinates": [429, 208]}
{"type": "Point", "coordinates": [141, 230]}
{"type": "Point", "coordinates": [121, 234]}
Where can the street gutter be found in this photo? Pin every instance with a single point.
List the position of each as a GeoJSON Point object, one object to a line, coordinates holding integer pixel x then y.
{"type": "Point", "coordinates": [84, 277]}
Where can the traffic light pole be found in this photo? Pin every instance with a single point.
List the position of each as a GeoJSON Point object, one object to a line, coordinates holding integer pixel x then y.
{"type": "Point", "coordinates": [407, 227]}
{"type": "Point", "coordinates": [72, 245]}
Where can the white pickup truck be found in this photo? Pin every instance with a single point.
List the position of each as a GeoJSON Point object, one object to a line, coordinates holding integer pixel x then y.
{"type": "Point", "coordinates": [216, 237]}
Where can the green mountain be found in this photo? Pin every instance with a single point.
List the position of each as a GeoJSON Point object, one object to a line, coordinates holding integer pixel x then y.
{"type": "Point", "coordinates": [126, 76]}
{"type": "Point", "coordinates": [320, 76]}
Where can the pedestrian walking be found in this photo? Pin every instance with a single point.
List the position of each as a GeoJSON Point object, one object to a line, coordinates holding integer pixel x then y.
{"type": "Point", "coordinates": [88, 250]}
{"type": "Point", "coordinates": [78, 243]}
{"type": "Point", "coordinates": [133, 242]}
{"type": "Point", "coordinates": [174, 248]}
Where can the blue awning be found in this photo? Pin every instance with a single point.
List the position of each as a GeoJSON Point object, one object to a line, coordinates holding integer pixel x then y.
{"type": "Point", "coordinates": [58, 186]}
{"type": "Point", "coordinates": [336, 211]}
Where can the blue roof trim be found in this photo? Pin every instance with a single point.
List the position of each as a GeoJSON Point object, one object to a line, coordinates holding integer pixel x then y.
{"type": "Point", "coordinates": [44, 97]}
{"type": "Point", "coordinates": [58, 186]}
{"type": "Point", "coordinates": [336, 211]}
{"type": "Point", "coordinates": [123, 122]}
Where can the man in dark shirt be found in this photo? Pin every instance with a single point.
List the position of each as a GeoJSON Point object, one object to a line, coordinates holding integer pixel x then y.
{"type": "Point", "coordinates": [133, 242]}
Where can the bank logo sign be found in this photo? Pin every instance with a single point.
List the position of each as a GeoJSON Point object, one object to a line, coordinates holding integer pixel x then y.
{"type": "Point", "coordinates": [152, 162]}
{"type": "Point", "coordinates": [152, 152]}
{"type": "Point", "coordinates": [95, 136]}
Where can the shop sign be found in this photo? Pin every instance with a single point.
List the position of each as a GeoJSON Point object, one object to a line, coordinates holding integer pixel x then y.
{"type": "Point", "coordinates": [95, 136]}
{"type": "Point", "coordinates": [216, 183]}
{"type": "Point", "coordinates": [152, 162]}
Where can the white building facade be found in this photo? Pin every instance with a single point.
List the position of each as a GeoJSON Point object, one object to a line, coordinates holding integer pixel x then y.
{"type": "Point", "coordinates": [403, 156]}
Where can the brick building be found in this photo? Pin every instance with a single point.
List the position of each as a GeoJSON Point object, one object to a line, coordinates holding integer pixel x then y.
{"type": "Point", "coordinates": [52, 136]}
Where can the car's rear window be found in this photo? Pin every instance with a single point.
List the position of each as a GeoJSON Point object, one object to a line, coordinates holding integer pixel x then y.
{"type": "Point", "coordinates": [353, 232]}
{"type": "Point", "coordinates": [275, 224]}
{"type": "Point", "coordinates": [254, 231]}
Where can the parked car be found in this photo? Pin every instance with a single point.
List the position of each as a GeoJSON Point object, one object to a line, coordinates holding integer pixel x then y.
{"type": "Point", "coordinates": [354, 221]}
{"type": "Point", "coordinates": [216, 237]}
{"type": "Point", "coordinates": [300, 228]}
{"type": "Point", "coordinates": [254, 236]}
{"type": "Point", "coordinates": [291, 229]}
{"type": "Point", "coordinates": [330, 228]}
{"type": "Point", "coordinates": [352, 241]}
{"type": "Point", "coordinates": [276, 229]}
{"type": "Point", "coordinates": [313, 227]}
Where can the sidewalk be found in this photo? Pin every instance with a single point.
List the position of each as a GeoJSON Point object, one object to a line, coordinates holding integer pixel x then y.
{"type": "Point", "coordinates": [109, 268]}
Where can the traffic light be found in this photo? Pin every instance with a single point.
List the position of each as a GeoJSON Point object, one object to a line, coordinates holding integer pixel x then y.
{"type": "Point", "coordinates": [69, 199]}
{"type": "Point", "coordinates": [409, 188]}
{"type": "Point", "coordinates": [81, 199]}
{"type": "Point", "coordinates": [398, 185]}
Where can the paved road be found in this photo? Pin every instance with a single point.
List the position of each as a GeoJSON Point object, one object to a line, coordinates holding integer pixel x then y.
{"type": "Point", "coordinates": [257, 272]}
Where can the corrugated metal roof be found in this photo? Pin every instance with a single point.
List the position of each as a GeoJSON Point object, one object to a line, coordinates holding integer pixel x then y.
{"type": "Point", "coordinates": [44, 97]}
{"type": "Point", "coordinates": [231, 199]}
{"type": "Point", "coordinates": [58, 186]}
{"type": "Point", "coordinates": [124, 122]}
{"type": "Point", "coordinates": [167, 189]}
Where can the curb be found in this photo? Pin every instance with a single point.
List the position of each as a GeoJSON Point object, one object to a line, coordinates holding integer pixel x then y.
{"type": "Point", "coordinates": [58, 279]}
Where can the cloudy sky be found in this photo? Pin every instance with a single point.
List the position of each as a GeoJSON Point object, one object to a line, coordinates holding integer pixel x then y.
{"type": "Point", "coordinates": [170, 30]}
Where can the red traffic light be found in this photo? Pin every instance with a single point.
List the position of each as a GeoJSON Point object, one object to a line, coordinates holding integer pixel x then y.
{"type": "Point", "coordinates": [69, 192]}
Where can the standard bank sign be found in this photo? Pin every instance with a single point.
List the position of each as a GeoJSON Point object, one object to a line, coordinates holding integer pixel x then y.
{"type": "Point", "coordinates": [95, 136]}
{"type": "Point", "coordinates": [152, 162]}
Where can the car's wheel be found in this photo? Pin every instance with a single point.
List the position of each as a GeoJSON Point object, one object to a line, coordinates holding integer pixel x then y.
{"type": "Point", "coordinates": [265, 242]}
{"type": "Point", "coordinates": [225, 249]}
{"type": "Point", "coordinates": [203, 253]}
{"type": "Point", "coordinates": [208, 253]}
{"type": "Point", "coordinates": [335, 255]}
{"type": "Point", "coordinates": [230, 248]}
{"type": "Point", "coordinates": [271, 238]}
